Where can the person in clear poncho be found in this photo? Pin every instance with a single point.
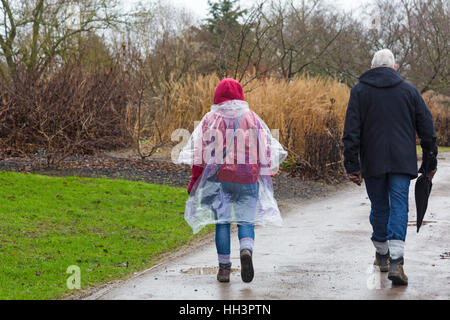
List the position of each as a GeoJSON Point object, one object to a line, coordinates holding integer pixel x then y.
{"type": "Point", "coordinates": [233, 157]}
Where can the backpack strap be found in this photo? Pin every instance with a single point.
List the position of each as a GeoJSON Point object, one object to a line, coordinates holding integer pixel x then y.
{"type": "Point", "coordinates": [236, 126]}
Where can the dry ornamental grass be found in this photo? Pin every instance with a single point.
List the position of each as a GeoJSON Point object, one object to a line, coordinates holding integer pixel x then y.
{"type": "Point", "coordinates": [440, 108]}
{"type": "Point", "coordinates": [308, 112]}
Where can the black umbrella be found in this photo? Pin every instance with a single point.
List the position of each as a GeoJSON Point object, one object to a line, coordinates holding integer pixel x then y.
{"type": "Point", "coordinates": [423, 191]}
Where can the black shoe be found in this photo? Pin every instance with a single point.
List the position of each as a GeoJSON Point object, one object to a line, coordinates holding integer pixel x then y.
{"type": "Point", "coordinates": [396, 273]}
{"type": "Point", "coordinates": [224, 272]}
{"type": "Point", "coordinates": [247, 272]}
{"type": "Point", "coordinates": [382, 261]}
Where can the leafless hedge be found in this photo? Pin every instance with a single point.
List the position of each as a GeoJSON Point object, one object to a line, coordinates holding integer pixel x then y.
{"type": "Point", "coordinates": [72, 111]}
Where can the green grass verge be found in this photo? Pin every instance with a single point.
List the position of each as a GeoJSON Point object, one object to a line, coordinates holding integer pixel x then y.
{"type": "Point", "coordinates": [109, 228]}
{"type": "Point", "coordinates": [441, 149]}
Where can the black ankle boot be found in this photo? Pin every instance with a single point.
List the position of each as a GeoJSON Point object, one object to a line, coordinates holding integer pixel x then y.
{"type": "Point", "coordinates": [224, 272]}
{"type": "Point", "coordinates": [247, 272]}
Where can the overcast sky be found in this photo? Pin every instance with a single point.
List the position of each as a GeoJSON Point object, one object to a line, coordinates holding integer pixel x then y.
{"type": "Point", "coordinates": [200, 7]}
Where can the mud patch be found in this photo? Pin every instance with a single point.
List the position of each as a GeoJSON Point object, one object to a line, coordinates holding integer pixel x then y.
{"type": "Point", "coordinates": [424, 223]}
{"type": "Point", "coordinates": [364, 204]}
{"type": "Point", "coordinates": [445, 255]}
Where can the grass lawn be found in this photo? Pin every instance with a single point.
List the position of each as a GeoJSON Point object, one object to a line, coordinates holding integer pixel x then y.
{"type": "Point", "coordinates": [109, 228]}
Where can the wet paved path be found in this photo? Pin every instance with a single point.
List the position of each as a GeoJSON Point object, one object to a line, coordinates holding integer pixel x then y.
{"type": "Point", "coordinates": [323, 251]}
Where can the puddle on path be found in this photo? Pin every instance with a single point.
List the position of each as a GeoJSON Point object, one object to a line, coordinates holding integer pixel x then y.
{"type": "Point", "coordinates": [445, 255]}
{"type": "Point", "coordinates": [424, 223]}
{"type": "Point", "coordinates": [204, 270]}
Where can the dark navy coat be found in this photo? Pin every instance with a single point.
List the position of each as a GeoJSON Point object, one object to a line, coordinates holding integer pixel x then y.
{"type": "Point", "coordinates": [384, 113]}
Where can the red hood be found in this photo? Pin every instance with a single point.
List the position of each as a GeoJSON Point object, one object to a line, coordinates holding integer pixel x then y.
{"type": "Point", "coordinates": [228, 89]}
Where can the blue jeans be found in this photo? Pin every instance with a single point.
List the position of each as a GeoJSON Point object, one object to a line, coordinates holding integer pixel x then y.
{"type": "Point", "coordinates": [223, 239]}
{"type": "Point", "coordinates": [389, 197]}
{"type": "Point", "coordinates": [243, 197]}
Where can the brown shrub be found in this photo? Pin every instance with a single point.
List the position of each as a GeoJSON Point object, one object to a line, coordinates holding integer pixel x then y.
{"type": "Point", "coordinates": [70, 112]}
{"type": "Point", "coordinates": [440, 108]}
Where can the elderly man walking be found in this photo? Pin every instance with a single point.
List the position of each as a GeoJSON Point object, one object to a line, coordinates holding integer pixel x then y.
{"type": "Point", "coordinates": [384, 113]}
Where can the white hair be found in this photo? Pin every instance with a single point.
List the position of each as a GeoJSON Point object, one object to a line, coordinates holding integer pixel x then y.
{"type": "Point", "coordinates": [383, 58]}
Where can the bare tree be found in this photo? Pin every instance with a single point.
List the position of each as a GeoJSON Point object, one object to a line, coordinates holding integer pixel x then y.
{"type": "Point", "coordinates": [418, 32]}
{"type": "Point", "coordinates": [156, 51]}
{"type": "Point", "coordinates": [38, 32]}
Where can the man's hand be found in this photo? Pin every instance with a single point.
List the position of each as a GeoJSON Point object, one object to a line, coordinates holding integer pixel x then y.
{"type": "Point", "coordinates": [355, 177]}
{"type": "Point", "coordinates": [431, 174]}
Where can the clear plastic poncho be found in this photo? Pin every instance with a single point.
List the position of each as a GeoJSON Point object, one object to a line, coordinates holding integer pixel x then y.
{"type": "Point", "coordinates": [239, 155]}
